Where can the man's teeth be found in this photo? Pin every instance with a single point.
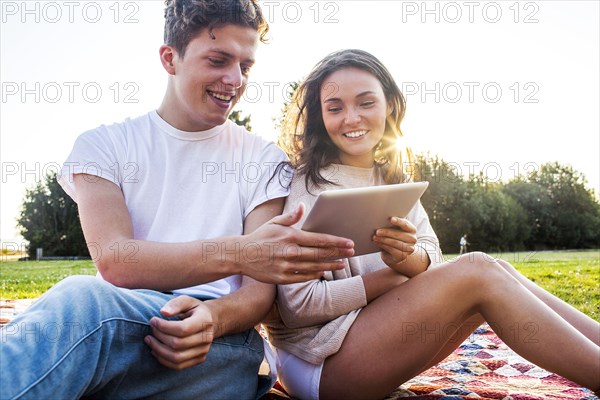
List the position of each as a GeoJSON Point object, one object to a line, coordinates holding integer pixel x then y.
{"type": "Point", "coordinates": [355, 134]}
{"type": "Point", "coordinates": [221, 96]}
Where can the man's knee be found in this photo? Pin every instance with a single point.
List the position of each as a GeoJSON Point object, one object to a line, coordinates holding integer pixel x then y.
{"type": "Point", "coordinates": [80, 284]}
{"type": "Point", "coordinates": [81, 291]}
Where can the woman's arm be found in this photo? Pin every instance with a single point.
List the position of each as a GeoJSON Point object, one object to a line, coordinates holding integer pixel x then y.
{"type": "Point", "coordinates": [319, 301]}
{"type": "Point", "coordinates": [411, 247]}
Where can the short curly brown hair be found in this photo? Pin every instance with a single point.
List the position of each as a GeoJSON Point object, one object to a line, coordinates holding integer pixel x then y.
{"type": "Point", "coordinates": [184, 19]}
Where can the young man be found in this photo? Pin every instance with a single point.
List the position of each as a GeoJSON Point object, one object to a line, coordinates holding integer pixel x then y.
{"type": "Point", "coordinates": [178, 201]}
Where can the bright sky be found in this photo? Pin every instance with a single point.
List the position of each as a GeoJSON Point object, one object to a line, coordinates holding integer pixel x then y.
{"type": "Point", "coordinates": [499, 87]}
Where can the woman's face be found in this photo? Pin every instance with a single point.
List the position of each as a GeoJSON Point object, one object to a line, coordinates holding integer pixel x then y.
{"type": "Point", "coordinates": [354, 112]}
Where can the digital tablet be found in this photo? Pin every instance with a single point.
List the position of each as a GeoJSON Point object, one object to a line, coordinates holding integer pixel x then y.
{"type": "Point", "coordinates": [356, 213]}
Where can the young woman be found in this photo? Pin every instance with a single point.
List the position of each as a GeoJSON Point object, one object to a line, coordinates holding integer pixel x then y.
{"type": "Point", "coordinates": [360, 332]}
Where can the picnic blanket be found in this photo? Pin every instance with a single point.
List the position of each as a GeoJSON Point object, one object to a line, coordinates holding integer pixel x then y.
{"type": "Point", "coordinates": [482, 367]}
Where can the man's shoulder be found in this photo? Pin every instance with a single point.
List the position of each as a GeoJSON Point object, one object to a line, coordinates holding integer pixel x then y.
{"type": "Point", "coordinates": [252, 141]}
{"type": "Point", "coordinates": [240, 132]}
{"type": "Point", "coordinates": [118, 130]}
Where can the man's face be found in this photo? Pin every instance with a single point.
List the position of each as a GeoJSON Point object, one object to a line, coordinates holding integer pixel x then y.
{"type": "Point", "coordinates": [211, 77]}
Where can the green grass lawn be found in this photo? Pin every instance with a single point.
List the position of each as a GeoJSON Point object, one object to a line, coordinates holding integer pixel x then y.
{"type": "Point", "coordinates": [29, 279]}
{"type": "Point", "coordinates": [574, 276]}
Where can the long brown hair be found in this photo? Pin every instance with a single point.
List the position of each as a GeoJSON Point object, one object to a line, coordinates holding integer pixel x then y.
{"type": "Point", "coordinates": [304, 137]}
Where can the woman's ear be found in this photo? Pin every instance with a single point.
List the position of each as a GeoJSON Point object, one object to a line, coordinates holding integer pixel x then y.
{"type": "Point", "coordinates": [390, 108]}
{"type": "Point", "coordinates": [167, 58]}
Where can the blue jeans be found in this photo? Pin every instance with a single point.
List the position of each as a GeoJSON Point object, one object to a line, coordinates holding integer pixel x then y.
{"type": "Point", "coordinates": [85, 338]}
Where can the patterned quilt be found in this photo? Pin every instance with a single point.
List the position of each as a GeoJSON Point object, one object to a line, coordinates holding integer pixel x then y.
{"type": "Point", "coordinates": [483, 368]}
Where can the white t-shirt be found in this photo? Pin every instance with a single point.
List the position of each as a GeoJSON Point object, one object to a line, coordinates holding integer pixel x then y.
{"type": "Point", "coordinates": [181, 186]}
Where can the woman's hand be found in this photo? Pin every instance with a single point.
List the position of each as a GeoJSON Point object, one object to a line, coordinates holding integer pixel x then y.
{"type": "Point", "coordinates": [396, 243]}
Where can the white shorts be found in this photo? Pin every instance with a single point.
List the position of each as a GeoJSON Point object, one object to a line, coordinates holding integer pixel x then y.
{"type": "Point", "coordinates": [299, 378]}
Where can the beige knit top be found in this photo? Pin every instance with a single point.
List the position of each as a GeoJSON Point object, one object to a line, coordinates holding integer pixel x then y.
{"type": "Point", "coordinates": [313, 317]}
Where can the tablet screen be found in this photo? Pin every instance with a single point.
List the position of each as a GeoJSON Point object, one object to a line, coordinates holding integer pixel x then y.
{"type": "Point", "coordinates": [356, 213]}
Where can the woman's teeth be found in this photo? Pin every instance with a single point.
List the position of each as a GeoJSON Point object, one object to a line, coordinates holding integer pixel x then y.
{"type": "Point", "coordinates": [355, 134]}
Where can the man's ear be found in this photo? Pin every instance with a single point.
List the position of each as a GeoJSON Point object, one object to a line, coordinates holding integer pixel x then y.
{"type": "Point", "coordinates": [167, 57]}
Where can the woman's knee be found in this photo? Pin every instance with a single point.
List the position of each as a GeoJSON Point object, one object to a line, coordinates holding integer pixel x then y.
{"type": "Point", "coordinates": [508, 267]}
{"type": "Point", "coordinates": [477, 259]}
{"type": "Point", "coordinates": [481, 266]}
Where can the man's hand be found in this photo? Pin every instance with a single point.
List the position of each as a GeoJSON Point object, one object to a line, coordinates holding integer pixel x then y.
{"type": "Point", "coordinates": [276, 252]}
{"type": "Point", "coordinates": [396, 243]}
{"type": "Point", "coordinates": [184, 343]}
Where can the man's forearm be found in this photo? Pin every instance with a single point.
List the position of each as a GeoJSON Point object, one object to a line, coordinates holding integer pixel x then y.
{"type": "Point", "coordinates": [164, 266]}
{"type": "Point", "coordinates": [243, 309]}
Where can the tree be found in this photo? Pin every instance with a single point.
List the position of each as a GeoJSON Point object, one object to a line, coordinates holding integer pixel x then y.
{"type": "Point", "coordinates": [493, 220]}
{"type": "Point", "coordinates": [564, 213]}
{"type": "Point", "coordinates": [576, 213]}
{"type": "Point", "coordinates": [236, 116]}
{"type": "Point", "coordinates": [496, 222]}
{"type": "Point", "coordinates": [291, 92]}
{"type": "Point", "coordinates": [49, 219]}
{"type": "Point", "coordinates": [444, 199]}
{"type": "Point", "coordinates": [536, 204]}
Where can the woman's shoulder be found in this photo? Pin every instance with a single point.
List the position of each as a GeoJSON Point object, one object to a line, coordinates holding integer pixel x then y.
{"type": "Point", "coordinates": [336, 176]}
{"type": "Point", "coordinates": [302, 187]}
{"type": "Point", "coordinates": [303, 190]}
{"type": "Point", "coordinates": [302, 182]}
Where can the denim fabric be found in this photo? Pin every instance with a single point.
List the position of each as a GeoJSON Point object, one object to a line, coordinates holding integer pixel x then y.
{"type": "Point", "coordinates": [85, 338]}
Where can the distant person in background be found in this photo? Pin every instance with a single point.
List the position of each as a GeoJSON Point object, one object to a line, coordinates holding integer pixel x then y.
{"type": "Point", "coordinates": [463, 244]}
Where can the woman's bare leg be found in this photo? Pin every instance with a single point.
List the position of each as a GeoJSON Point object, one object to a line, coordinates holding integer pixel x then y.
{"type": "Point", "coordinates": [583, 323]}
{"type": "Point", "coordinates": [579, 320]}
{"type": "Point", "coordinates": [455, 340]}
{"type": "Point", "coordinates": [401, 332]}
